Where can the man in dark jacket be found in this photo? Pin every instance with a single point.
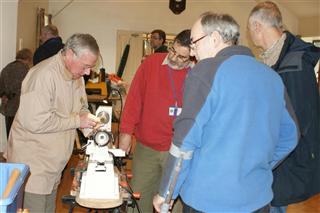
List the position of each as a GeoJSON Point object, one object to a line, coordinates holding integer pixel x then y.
{"type": "Point", "coordinates": [51, 44]}
{"type": "Point", "coordinates": [297, 178]}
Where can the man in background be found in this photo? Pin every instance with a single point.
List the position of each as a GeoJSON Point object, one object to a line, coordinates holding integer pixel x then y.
{"type": "Point", "coordinates": [153, 102]}
{"type": "Point", "coordinates": [11, 78]}
{"type": "Point", "coordinates": [157, 41]}
{"type": "Point", "coordinates": [235, 126]}
{"type": "Point", "coordinates": [297, 178]}
{"type": "Point", "coordinates": [51, 43]}
{"type": "Point", "coordinates": [53, 104]}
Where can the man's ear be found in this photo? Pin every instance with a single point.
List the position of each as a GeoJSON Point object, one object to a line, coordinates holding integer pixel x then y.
{"type": "Point", "coordinates": [70, 54]}
{"type": "Point", "coordinates": [215, 38]}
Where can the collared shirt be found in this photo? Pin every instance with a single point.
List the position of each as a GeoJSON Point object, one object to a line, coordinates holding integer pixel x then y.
{"type": "Point", "coordinates": [271, 55]}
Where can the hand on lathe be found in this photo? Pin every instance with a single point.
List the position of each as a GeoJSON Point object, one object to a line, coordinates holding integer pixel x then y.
{"type": "Point", "coordinates": [88, 120]}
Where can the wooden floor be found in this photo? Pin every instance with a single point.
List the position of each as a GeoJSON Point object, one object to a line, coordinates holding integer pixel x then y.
{"type": "Point", "coordinates": [310, 206]}
{"type": "Point", "coordinates": [64, 188]}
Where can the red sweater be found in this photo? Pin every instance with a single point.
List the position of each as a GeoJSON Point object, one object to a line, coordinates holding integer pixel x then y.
{"type": "Point", "coordinates": [146, 111]}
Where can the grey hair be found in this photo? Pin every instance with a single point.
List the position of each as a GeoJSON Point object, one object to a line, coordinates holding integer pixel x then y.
{"type": "Point", "coordinates": [51, 29]}
{"type": "Point", "coordinates": [268, 13]}
{"type": "Point", "coordinates": [24, 54]}
{"type": "Point", "coordinates": [78, 43]}
{"type": "Point", "coordinates": [224, 24]}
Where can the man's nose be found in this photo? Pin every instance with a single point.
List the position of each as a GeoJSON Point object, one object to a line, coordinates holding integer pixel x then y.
{"type": "Point", "coordinates": [87, 71]}
{"type": "Point", "coordinates": [192, 52]}
{"type": "Point", "coordinates": [174, 58]}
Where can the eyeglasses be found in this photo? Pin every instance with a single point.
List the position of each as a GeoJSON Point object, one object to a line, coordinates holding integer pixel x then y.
{"type": "Point", "coordinates": [83, 65]}
{"type": "Point", "coordinates": [193, 43]}
{"type": "Point", "coordinates": [180, 57]}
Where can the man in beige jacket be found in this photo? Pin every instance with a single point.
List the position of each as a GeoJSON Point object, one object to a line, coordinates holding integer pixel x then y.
{"type": "Point", "coordinates": [53, 104]}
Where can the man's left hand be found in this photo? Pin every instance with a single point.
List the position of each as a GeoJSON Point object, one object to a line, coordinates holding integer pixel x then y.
{"type": "Point", "coordinates": [157, 202]}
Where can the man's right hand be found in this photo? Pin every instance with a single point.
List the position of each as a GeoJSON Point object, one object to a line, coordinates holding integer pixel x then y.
{"type": "Point", "coordinates": [88, 120]}
{"type": "Point", "coordinates": [125, 142]}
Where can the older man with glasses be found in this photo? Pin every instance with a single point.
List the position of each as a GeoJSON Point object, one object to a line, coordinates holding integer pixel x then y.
{"type": "Point", "coordinates": [153, 102]}
{"type": "Point", "coordinates": [235, 126]}
{"type": "Point", "coordinates": [53, 104]}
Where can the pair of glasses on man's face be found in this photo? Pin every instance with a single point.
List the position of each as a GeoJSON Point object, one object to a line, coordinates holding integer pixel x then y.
{"type": "Point", "coordinates": [180, 57]}
{"type": "Point", "coordinates": [154, 37]}
{"type": "Point", "coordinates": [193, 43]}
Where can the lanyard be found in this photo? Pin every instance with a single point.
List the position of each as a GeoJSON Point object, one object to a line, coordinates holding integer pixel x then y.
{"type": "Point", "coordinates": [170, 71]}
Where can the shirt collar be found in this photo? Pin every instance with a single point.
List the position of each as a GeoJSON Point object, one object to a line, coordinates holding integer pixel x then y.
{"type": "Point", "coordinates": [271, 55]}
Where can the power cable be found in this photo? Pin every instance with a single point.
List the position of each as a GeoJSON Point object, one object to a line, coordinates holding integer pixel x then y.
{"type": "Point", "coordinates": [57, 13]}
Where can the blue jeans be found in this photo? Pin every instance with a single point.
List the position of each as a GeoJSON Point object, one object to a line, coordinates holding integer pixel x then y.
{"type": "Point", "coordinates": [279, 209]}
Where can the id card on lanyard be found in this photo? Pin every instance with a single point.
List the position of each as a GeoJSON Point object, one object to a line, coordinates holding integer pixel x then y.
{"type": "Point", "coordinates": [175, 110]}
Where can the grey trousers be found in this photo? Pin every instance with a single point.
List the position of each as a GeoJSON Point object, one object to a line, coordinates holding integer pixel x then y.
{"type": "Point", "coordinates": [37, 203]}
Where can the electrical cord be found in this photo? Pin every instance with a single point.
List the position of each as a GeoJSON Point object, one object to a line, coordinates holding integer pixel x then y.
{"type": "Point", "coordinates": [133, 198]}
{"type": "Point", "coordinates": [121, 106]}
{"type": "Point", "coordinates": [118, 163]}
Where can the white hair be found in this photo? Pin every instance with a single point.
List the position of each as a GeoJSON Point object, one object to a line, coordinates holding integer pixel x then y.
{"type": "Point", "coordinates": [224, 24]}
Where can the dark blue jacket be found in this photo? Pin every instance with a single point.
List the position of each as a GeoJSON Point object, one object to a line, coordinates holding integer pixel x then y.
{"type": "Point", "coordinates": [47, 49]}
{"type": "Point", "coordinates": [298, 177]}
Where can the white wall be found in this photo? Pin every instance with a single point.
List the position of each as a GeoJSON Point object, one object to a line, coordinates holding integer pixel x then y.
{"type": "Point", "coordinates": [8, 31]}
{"type": "Point", "coordinates": [8, 27]}
{"type": "Point", "coordinates": [310, 26]}
{"type": "Point", "coordinates": [102, 19]}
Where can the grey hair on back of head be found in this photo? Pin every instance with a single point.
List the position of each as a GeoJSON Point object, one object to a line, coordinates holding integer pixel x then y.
{"type": "Point", "coordinates": [51, 29]}
{"type": "Point", "coordinates": [224, 24]}
{"type": "Point", "coordinates": [79, 43]}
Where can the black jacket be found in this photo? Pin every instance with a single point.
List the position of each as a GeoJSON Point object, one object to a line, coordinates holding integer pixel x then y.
{"type": "Point", "coordinates": [47, 49]}
{"type": "Point", "coordinates": [298, 177]}
{"type": "Point", "coordinates": [161, 49]}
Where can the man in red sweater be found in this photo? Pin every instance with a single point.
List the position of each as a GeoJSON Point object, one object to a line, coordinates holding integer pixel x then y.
{"type": "Point", "coordinates": [153, 102]}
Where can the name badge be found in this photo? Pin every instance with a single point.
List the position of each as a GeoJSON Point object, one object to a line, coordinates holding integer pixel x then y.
{"type": "Point", "coordinates": [175, 111]}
